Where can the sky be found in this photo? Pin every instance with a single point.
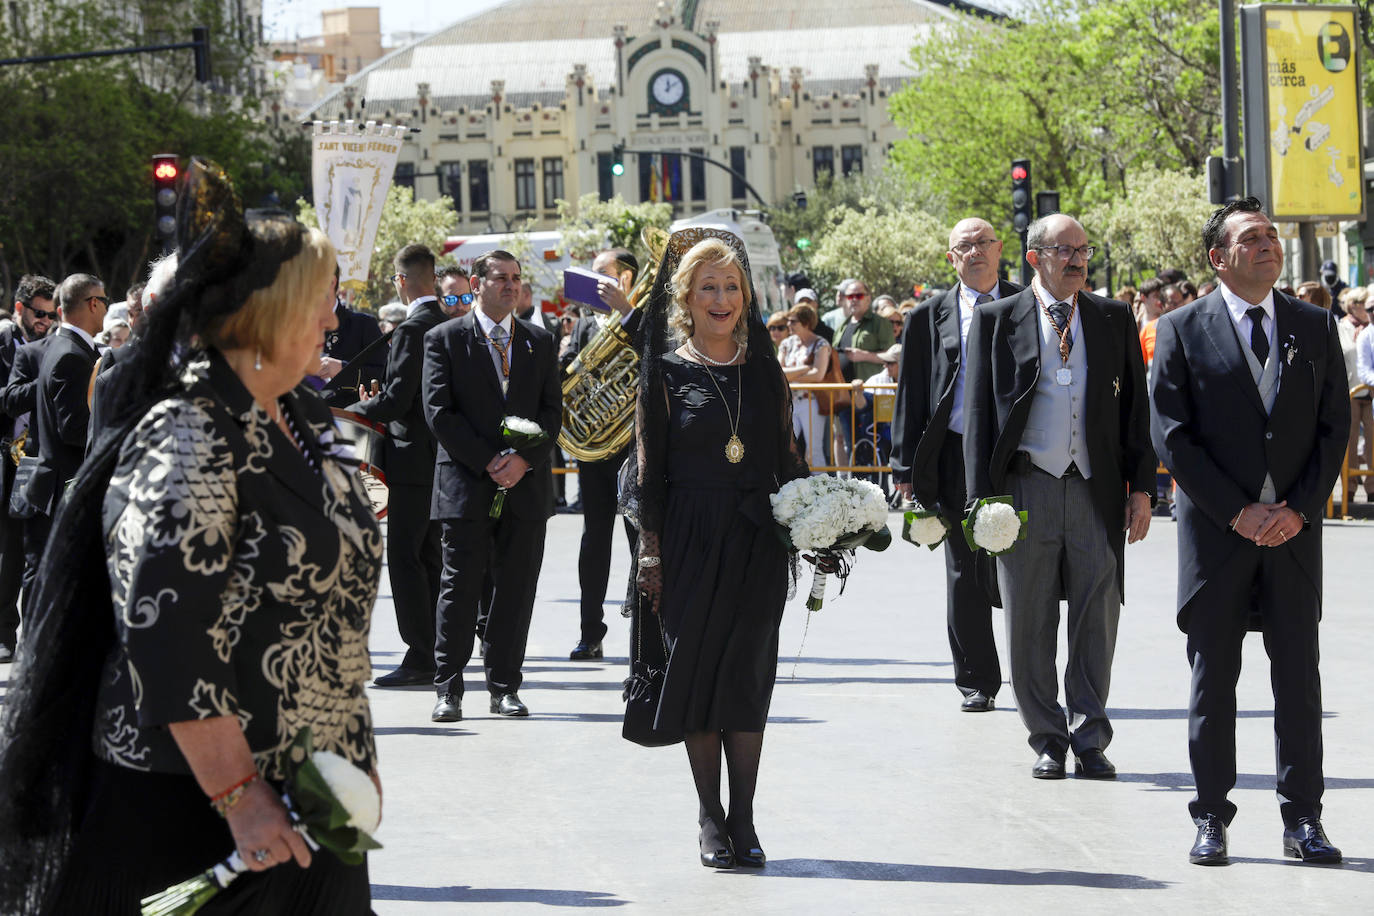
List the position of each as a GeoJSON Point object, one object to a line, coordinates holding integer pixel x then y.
{"type": "Point", "coordinates": [287, 19]}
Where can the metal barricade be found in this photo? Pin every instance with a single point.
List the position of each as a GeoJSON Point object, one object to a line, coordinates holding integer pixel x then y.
{"type": "Point", "coordinates": [856, 438]}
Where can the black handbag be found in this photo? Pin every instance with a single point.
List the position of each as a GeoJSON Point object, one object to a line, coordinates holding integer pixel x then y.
{"type": "Point", "coordinates": [24, 505]}
{"type": "Point", "coordinates": [644, 686]}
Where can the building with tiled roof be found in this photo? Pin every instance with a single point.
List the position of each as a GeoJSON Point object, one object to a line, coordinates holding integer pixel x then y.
{"type": "Point", "coordinates": [524, 104]}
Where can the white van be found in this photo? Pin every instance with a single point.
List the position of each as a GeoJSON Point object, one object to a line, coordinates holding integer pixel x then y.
{"type": "Point", "coordinates": [765, 261]}
{"type": "Point", "coordinates": [544, 270]}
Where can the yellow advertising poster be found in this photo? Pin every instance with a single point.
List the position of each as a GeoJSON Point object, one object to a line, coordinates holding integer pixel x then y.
{"type": "Point", "coordinates": [1315, 167]}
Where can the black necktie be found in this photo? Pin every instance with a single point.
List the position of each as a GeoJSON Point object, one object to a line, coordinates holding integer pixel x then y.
{"type": "Point", "coordinates": [1259, 341]}
{"type": "Point", "coordinates": [1059, 313]}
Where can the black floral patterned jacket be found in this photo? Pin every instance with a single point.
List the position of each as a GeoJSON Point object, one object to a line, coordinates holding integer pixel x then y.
{"type": "Point", "coordinates": [243, 572]}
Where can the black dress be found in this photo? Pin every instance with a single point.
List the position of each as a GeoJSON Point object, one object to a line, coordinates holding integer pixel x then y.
{"type": "Point", "coordinates": [725, 568]}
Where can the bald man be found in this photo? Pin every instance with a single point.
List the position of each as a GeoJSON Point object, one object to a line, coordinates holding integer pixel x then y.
{"type": "Point", "coordinates": [928, 448]}
{"type": "Point", "coordinates": [1056, 416]}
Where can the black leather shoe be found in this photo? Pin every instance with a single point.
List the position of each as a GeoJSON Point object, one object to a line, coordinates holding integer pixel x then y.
{"type": "Point", "coordinates": [1048, 765]}
{"type": "Point", "coordinates": [714, 841]}
{"type": "Point", "coordinates": [1308, 842]}
{"type": "Point", "coordinates": [1210, 846]}
{"type": "Point", "coordinates": [978, 701]}
{"type": "Point", "coordinates": [405, 677]}
{"type": "Point", "coordinates": [448, 709]}
{"type": "Point", "coordinates": [586, 652]}
{"type": "Point", "coordinates": [1093, 764]}
{"type": "Point", "coordinates": [744, 840]}
{"type": "Point", "coordinates": [508, 704]}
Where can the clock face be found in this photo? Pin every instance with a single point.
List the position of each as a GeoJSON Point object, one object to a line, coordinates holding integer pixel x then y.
{"type": "Point", "coordinates": [668, 88]}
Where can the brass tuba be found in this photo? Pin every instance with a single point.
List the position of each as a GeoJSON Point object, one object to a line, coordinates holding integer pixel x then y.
{"type": "Point", "coordinates": [17, 447]}
{"type": "Point", "coordinates": [601, 383]}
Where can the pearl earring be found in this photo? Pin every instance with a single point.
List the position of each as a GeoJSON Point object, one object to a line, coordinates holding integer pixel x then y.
{"type": "Point", "coordinates": [257, 361]}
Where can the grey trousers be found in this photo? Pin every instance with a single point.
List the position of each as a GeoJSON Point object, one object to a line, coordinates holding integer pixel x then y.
{"type": "Point", "coordinates": [1066, 552]}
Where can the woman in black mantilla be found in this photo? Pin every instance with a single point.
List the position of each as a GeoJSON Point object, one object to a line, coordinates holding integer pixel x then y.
{"type": "Point", "coordinates": [206, 593]}
{"type": "Point", "coordinates": [714, 440]}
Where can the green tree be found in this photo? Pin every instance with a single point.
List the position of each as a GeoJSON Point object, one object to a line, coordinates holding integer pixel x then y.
{"type": "Point", "coordinates": [404, 221]}
{"type": "Point", "coordinates": [1157, 224]}
{"type": "Point", "coordinates": [1091, 91]}
{"type": "Point", "coordinates": [888, 251]}
{"type": "Point", "coordinates": [589, 225]}
{"type": "Point", "coordinates": [75, 180]}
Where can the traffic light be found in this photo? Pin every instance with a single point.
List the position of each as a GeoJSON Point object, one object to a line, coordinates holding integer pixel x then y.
{"type": "Point", "coordinates": [618, 160]}
{"type": "Point", "coordinates": [803, 244]}
{"type": "Point", "coordinates": [166, 170]}
{"type": "Point", "coordinates": [1046, 203]}
{"type": "Point", "coordinates": [799, 198]}
{"type": "Point", "coordinates": [1020, 194]}
{"type": "Point", "coordinates": [200, 37]}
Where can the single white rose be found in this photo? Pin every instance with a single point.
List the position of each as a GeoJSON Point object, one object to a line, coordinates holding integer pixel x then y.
{"type": "Point", "coordinates": [353, 788]}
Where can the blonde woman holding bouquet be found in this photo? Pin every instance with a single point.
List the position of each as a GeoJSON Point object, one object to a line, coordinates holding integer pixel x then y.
{"type": "Point", "coordinates": [714, 441]}
{"type": "Point", "coordinates": [205, 596]}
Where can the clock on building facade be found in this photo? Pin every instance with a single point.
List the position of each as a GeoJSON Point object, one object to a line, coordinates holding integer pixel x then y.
{"type": "Point", "coordinates": [667, 92]}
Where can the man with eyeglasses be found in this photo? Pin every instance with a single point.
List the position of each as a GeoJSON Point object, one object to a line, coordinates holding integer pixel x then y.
{"type": "Point", "coordinates": [412, 539]}
{"type": "Point", "coordinates": [455, 291]}
{"type": "Point", "coordinates": [35, 314]}
{"type": "Point", "coordinates": [928, 448]}
{"type": "Point", "coordinates": [1056, 416]}
{"type": "Point", "coordinates": [61, 412]}
{"type": "Point", "coordinates": [596, 480]}
{"type": "Point", "coordinates": [857, 345]}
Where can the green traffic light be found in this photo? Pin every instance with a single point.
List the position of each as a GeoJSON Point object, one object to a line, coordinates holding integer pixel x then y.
{"type": "Point", "coordinates": [803, 244]}
{"type": "Point", "coordinates": [617, 169]}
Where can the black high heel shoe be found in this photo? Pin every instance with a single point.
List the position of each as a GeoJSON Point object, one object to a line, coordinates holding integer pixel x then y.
{"type": "Point", "coordinates": [716, 851]}
{"type": "Point", "coordinates": [744, 840]}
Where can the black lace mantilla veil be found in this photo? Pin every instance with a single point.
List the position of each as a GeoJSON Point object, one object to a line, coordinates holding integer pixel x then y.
{"type": "Point", "coordinates": [224, 254]}
{"type": "Point", "coordinates": [643, 495]}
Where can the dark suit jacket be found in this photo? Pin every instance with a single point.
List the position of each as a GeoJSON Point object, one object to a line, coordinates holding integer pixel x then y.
{"type": "Point", "coordinates": [925, 393]}
{"type": "Point", "coordinates": [999, 385]}
{"type": "Point", "coordinates": [20, 393]}
{"type": "Point", "coordinates": [462, 397]}
{"type": "Point", "coordinates": [356, 331]}
{"type": "Point", "coordinates": [61, 414]}
{"type": "Point", "coordinates": [11, 338]}
{"type": "Point", "coordinates": [1211, 431]}
{"type": "Point", "coordinates": [409, 455]}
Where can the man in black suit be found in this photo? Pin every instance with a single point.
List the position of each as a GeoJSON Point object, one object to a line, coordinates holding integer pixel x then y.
{"type": "Point", "coordinates": [412, 539]}
{"type": "Point", "coordinates": [479, 370]}
{"type": "Point", "coordinates": [341, 373]}
{"type": "Point", "coordinates": [34, 314]}
{"type": "Point", "coordinates": [928, 448]}
{"type": "Point", "coordinates": [1056, 415]}
{"type": "Point", "coordinates": [597, 482]}
{"type": "Point", "coordinates": [61, 412]}
{"type": "Point", "coordinates": [1251, 413]}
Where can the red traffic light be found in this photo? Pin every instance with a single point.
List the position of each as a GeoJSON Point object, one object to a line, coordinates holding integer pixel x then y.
{"type": "Point", "coordinates": [1019, 173]}
{"type": "Point", "coordinates": [165, 171]}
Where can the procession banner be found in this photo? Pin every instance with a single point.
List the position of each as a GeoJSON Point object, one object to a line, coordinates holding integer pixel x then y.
{"type": "Point", "coordinates": [1303, 112]}
{"type": "Point", "coordinates": [351, 166]}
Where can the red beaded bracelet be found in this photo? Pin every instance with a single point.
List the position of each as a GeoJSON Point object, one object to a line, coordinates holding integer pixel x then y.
{"type": "Point", "coordinates": [230, 796]}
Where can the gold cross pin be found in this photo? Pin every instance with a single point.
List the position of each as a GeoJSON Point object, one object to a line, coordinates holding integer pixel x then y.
{"type": "Point", "coordinates": [1116, 385]}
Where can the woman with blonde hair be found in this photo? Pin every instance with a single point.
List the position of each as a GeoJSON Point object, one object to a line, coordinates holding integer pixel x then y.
{"type": "Point", "coordinates": [713, 442]}
{"type": "Point", "coordinates": [228, 561]}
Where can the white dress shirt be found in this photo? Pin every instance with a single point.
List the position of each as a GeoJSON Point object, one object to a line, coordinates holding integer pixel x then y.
{"type": "Point", "coordinates": [1238, 307]}
{"type": "Point", "coordinates": [486, 324]}
{"type": "Point", "coordinates": [968, 298]}
{"type": "Point", "coordinates": [414, 305]}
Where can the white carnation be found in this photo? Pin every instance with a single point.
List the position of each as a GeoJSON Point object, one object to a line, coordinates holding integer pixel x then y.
{"type": "Point", "coordinates": [521, 425]}
{"type": "Point", "coordinates": [927, 531]}
{"type": "Point", "coordinates": [995, 527]}
{"type": "Point", "coordinates": [818, 511]}
{"type": "Point", "coordinates": [353, 788]}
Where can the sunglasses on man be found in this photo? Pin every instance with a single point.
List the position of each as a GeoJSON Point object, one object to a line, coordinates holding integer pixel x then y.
{"type": "Point", "coordinates": [451, 301]}
{"type": "Point", "coordinates": [41, 315]}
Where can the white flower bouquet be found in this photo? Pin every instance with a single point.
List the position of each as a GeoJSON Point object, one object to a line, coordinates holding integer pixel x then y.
{"type": "Point", "coordinates": [923, 527]}
{"type": "Point", "coordinates": [832, 518]}
{"type": "Point", "coordinates": [334, 805]}
{"type": "Point", "coordinates": [994, 525]}
{"type": "Point", "coordinates": [517, 433]}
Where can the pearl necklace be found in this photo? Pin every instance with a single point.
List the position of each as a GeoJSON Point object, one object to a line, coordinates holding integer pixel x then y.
{"type": "Point", "coordinates": [713, 362]}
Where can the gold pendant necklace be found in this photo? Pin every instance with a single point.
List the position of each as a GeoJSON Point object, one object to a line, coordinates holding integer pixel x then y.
{"type": "Point", "coordinates": [734, 447]}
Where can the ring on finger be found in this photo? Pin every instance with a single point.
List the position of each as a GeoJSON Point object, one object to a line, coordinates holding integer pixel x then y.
{"type": "Point", "coordinates": [262, 855]}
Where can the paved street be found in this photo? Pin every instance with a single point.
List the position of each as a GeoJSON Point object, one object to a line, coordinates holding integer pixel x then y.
{"type": "Point", "coordinates": [876, 794]}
